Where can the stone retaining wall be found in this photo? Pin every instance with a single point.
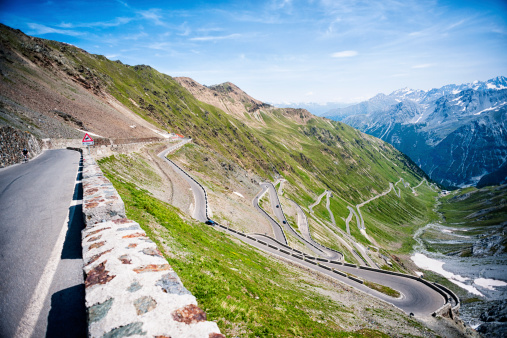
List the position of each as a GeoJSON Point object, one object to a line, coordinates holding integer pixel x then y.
{"type": "Point", "coordinates": [130, 287]}
{"type": "Point", "coordinates": [12, 142]}
{"type": "Point", "coordinates": [104, 147]}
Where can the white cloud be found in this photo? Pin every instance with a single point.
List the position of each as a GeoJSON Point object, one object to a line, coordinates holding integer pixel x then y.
{"type": "Point", "coordinates": [153, 16]}
{"type": "Point", "coordinates": [42, 29]}
{"type": "Point", "coordinates": [345, 54]}
{"type": "Point", "coordinates": [424, 65]}
{"type": "Point", "coordinates": [216, 38]}
{"type": "Point", "coordinates": [105, 24]}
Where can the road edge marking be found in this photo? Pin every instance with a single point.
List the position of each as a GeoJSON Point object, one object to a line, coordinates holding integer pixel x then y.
{"type": "Point", "coordinates": [31, 315]}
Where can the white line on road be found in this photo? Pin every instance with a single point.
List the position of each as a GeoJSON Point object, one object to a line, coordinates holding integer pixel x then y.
{"type": "Point", "coordinates": [29, 320]}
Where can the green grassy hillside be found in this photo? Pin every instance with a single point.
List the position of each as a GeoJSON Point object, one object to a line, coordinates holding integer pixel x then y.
{"type": "Point", "coordinates": [311, 153]}
{"type": "Point", "coordinates": [247, 292]}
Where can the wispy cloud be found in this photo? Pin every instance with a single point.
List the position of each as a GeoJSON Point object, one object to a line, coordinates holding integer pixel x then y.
{"type": "Point", "coordinates": [216, 38]}
{"type": "Point", "coordinates": [345, 54]}
{"type": "Point", "coordinates": [153, 15]}
{"type": "Point", "coordinates": [105, 24]}
{"type": "Point", "coordinates": [43, 29]}
{"type": "Point", "coordinates": [424, 65]}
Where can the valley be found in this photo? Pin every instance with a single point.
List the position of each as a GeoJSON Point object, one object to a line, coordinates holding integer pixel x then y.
{"type": "Point", "coordinates": [321, 187]}
{"type": "Point", "coordinates": [454, 133]}
{"type": "Point", "coordinates": [467, 246]}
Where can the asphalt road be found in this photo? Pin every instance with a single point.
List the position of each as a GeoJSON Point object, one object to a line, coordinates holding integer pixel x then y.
{"type": "Point", "coordinates": [277, 230]}
{"type": "Point", "coordinates": [41, 279]}
{"type": "Point", "coordinates": [416, 297]}
{"type": "Point", "coordinates": [310, 244]}
{"type": "Point", "coordinates": [199, 195]}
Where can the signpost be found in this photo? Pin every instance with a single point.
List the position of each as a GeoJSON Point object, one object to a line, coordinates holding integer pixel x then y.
{"type": "Point", "coordinates": [87, 141]}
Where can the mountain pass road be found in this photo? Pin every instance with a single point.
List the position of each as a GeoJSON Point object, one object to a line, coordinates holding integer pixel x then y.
{"type": "Point", "coordinates": [40, 254]}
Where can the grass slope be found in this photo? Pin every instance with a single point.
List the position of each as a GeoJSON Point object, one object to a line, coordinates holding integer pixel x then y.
{"type": "Point", "coordinates": [249, 293]}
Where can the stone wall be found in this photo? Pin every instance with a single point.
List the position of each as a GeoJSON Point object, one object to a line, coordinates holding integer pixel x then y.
{"type": "Point", "coordinates": [130, 287]}
{"type": "Point", "coordinates": [12, 142]}
{"type": "Point", "coordinates": [105, 147]}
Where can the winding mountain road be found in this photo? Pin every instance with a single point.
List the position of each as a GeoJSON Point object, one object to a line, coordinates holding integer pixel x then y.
{"type": "Point", "coordinates": [277, 229]}
{"type": "Point", "coordinates": [417, 296]}
{"type": "Point", "coordinates": [200, 205]}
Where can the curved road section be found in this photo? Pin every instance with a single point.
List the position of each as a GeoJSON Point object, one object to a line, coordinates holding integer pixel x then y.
{"type": "Point", "coordinates": [200, 209]}
{"type": "Point", "coordinates": [417, 296]}
{"type": "Point", "coordinates": [277, 229]}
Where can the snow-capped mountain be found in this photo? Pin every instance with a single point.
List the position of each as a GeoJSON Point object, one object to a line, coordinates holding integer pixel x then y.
{"type": "Point", "coordinates": [447, 131]}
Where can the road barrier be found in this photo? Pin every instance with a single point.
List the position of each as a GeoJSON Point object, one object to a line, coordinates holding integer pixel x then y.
{"type": "Point", "coordinates": [325, 267]}
{"type": "Point", "coordinates": [316, 245]}
{"type": "Point", "coordinates": [275, 240]}
{"type": "Point", "coordinates": [129, 286]}
{"type": "Point", "coordinates": [452, 294]}
{"type": "Point", "coordinates": [273, 220]}
{"type": "Point", "coordinates": [339, 273]}
{"type": "Point", "coordinates": [356, 279]}
{"type": "Point", "coordinates": [446, 293]}
{"type": "Point", "coordinates": [350, 265]}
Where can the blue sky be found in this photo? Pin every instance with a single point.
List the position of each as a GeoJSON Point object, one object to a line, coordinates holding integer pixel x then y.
{"type": "Point", "coordinates": [286, 50]}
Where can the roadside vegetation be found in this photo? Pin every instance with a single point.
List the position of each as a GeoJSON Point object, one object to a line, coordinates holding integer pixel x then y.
{"type": "Point", "coordinates": [246, 291]}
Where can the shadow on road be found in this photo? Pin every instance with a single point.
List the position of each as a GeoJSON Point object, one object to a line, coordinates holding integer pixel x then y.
{"type": "Point", "coordinates": [72, 246]}
{"type": "Point", "coordinates": [67, 317]}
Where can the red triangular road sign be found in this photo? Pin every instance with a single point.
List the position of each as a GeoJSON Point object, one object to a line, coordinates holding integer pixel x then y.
{"type": "Point", "coordinates": [87, 139]}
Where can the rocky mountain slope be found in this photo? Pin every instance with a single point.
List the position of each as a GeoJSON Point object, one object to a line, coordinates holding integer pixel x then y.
{"type": "Point", "coordinates": [56, 90]}
{"type": "Point", "coordinates": [457, 133]}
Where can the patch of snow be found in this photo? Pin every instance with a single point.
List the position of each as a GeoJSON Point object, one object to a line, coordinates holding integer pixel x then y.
{"type": "Point", "coordinates": [237, 193]}
{"type": "Point", "coordinates": [434, 265]}
{"type": "Point", "coordinates": [491, 108]}
{"type": "Point", "coordinates": [90, 133]}
{"type": "Point", "coordinates": [419, 273]}
{"type": "Point", "coordinates": [162, 133]}
{"type": "Point", "coordinates": [419, 118]}
{"type": "Point", "coordinates": [446, 230]}
{"type": "Point", "coordinates": [482, 111]}
{"type": "Point", "coordinates": [493, 86]}
{"type": "Point", "coordinates": [489, 283]}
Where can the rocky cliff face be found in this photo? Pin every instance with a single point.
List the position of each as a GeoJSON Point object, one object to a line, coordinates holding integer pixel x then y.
{"type": "Point", "coordinates": [12, 143]}
{"type": "Point", "coordinates": [457, 133]}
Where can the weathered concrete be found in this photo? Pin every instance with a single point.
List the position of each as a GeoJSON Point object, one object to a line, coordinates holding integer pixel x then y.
{"type": "Point", "coordinates": [130, 287]}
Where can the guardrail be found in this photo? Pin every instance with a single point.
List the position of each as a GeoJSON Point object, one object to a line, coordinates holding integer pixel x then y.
{"type": "Point", "coordinates": [193, 179]}
{"type": "Point", "coordinates": [440, 289]}
{"type": "Point", "coordinates": [444, 292]}
{"type": "Point", "coordinates": [310, 234]}
{"type": "Point", "coordinates": [273, 220]}
{"type": "Point", "coordinates": [315, 244]}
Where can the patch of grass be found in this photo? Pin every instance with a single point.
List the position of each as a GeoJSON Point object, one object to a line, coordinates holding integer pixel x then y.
{"type": "Point", "coordinates": [235, 284]}
{"type": "Point", "coordinates": [383, 289]}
